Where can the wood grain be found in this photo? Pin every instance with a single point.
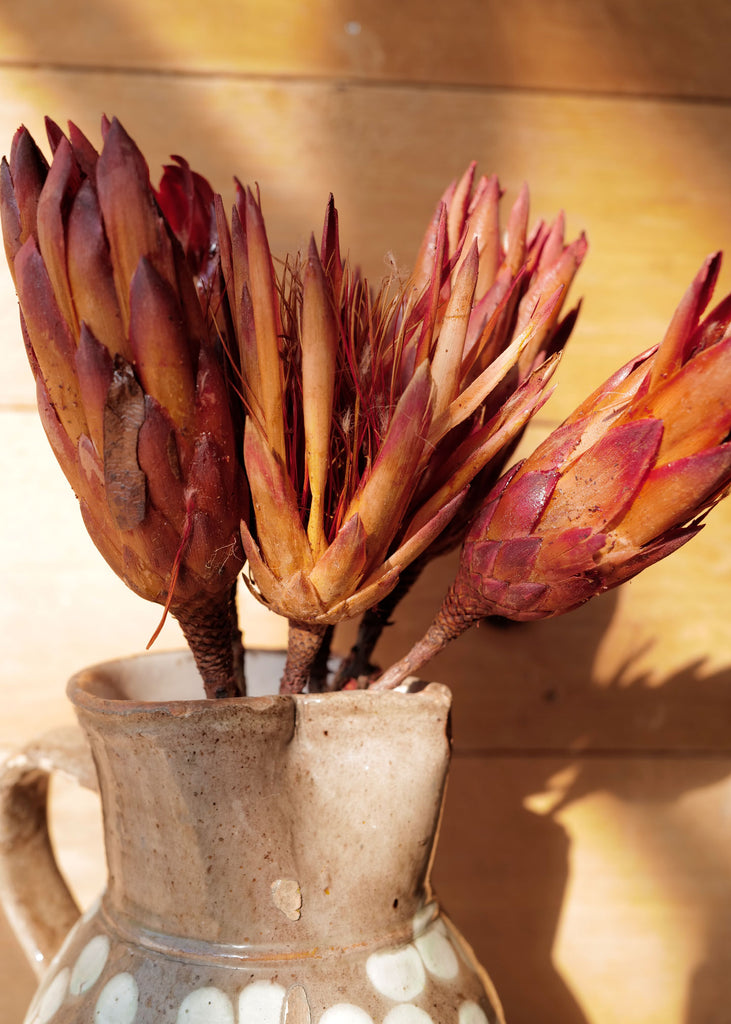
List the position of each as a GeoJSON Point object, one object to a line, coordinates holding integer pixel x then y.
{"type": "Point", "coordinates": [657, 47]}
{"type": "Point", "coordinates": [646, 180]}
{"type": "Point", "coordinates": [584, 849]}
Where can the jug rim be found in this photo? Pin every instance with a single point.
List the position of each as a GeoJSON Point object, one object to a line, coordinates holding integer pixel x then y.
{"type": "Point", "coordinates": [121, 686]}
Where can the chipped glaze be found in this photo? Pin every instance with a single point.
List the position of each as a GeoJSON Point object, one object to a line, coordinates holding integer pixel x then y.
{"type": "Point", "coordinates": [267, 882]}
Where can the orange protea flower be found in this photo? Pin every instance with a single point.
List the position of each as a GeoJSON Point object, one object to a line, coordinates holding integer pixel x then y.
{"type": "Point", "coordinates": [122, 314]}
{"type": "Point", "coordinates": [371, 412]}
{"type": "Point", "coordinates": [626, 480]}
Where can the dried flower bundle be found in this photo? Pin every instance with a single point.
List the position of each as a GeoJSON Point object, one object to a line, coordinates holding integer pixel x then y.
{"type": "Point", "coordinates": [210, 406]}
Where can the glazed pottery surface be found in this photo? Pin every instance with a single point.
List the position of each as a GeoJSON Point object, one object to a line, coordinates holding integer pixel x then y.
{"type": "Point", "coordinates": [268, 858]}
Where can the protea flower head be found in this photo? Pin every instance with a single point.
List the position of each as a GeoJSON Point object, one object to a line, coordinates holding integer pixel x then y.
{"type": "Point", "coordinates": [626, 480]}
{"type": "Point", "coordinates": [122, 315]}
{"type": "Point", "coordinates": [516, 280]}
{"type": "Point", "coordinates": [370, 413]}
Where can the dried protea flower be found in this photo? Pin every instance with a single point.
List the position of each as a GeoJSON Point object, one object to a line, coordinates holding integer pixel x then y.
{"type": "Point", "coordinates": [122, 321]}
{"type": "Point", "coordinates": [516, 280]}
{"type": "Point", "coordinates": [370, 413]}
{"type": "Point", "coordinates": [626, 480]}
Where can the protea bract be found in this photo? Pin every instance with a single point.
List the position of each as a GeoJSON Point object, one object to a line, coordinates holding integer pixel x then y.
{"type": "Point", "coordinates": [518, 275]}
{"type": "Point", "coordinates": [371, 412]}
{"type": "Point", "coordinates": [626, 480]}
{"type": "Point", "coordinates": [122, 322]}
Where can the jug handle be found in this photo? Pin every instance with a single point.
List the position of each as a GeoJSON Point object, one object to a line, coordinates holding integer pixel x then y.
{"type": "Point", "coordinates": [34, 894]}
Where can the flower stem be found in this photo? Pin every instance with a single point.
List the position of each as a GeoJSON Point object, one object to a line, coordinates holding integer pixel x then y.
{"type": "Point", "coordinates": [210, 630]}
{"type": "Point", "coordinates": [302, 646]}
{"type": "Point", "coordinates": [450, 622]}
{"type": "Point", "coordinates": [357, 664]}
{"type": "Point", "coordinates": [320, 663]}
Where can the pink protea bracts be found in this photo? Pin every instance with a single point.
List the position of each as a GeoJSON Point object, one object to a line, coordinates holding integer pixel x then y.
{"type": "Point", "coordinates": [623, 482]}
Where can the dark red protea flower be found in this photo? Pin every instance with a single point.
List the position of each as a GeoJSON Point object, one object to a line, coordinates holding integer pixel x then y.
{"type": "Point", "coordinates": [370, 412]}
{"type": "Point", "coordinates": [626, 480]}
{"type": "Point", "coordinates": [122, 314]}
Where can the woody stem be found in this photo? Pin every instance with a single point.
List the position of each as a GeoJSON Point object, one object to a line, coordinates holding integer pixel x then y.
{"type": "Point", "coordinates": [302, 646]}
{"type": "Point", "coordinates": [209, 631]}
{"type": "Point", "coordinates": [450, 622]}
{"type": "Point", "coordinates": [357, 664]}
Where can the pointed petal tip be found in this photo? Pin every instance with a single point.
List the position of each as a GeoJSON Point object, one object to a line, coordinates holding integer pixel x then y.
{"type": "Point", "coordinates": [54, 133]}
{"type": "Point", "coordinates": [711, 264]}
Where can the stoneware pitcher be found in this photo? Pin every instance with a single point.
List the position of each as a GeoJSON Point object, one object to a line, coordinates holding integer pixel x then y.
{"type": "Point", "coordinates": [268, 858]}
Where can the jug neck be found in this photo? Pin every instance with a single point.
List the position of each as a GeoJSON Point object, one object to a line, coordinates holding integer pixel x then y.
{"type": "Point", "coordinates": [272, 825]}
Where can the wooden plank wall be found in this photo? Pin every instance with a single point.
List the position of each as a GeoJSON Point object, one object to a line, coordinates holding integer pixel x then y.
{"type": "Point", "coordinates": [585, 846]}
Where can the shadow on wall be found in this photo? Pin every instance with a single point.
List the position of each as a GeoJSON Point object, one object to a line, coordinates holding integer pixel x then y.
{"type": "Point", "coordinates": [505, 858]}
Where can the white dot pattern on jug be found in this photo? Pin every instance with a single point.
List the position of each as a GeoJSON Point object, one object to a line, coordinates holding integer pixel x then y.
{"type": "Point", "coordinates": [206, 1006]}
{"type": "Point", "coordinates": [397, 973]}
{"type": "Point", "coordinates": [401, 974]}
{"type": "Point", "coordinates": [418, 977]}
{"type": "Point", "coordinates": [118, 1000]}
{"type": "Point", "coordinates": [438, 954]}
{"type": "Point", "coordinates": [52, 998]}
{"type": "Point", "coordinates": [471, 1013]}
{"type": "Point", "coordinates": [407, 1013]}
{"type": "Point", "coordinates": [89, 965]}
{"type": "Point", "coordinates": [345, 1013]}
{"type": "Point", "coordinates": [261, 1003]}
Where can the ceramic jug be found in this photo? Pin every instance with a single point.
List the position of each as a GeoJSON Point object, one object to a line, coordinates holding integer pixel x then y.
{"type": "Point", "coordinates": [268, 858]}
